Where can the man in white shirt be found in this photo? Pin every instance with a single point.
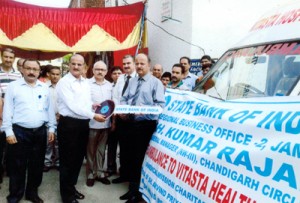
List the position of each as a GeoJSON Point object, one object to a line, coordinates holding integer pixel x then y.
{"type": "Point", "coordinates": [52, 156]}
{"type": "Point", "coordinates": [121, 127]}
{"type": "Point", "coordinates": [75, 109]}
{"type": "Point", "coordinates": [157, 71]}
{"type": "Point", "coordinates": [101, 90]}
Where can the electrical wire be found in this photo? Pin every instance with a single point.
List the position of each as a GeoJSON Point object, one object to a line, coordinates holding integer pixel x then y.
{"type": "Point", "coordinates": [176, 36]}
{"type": "Point", "coordinates": [126, 3]}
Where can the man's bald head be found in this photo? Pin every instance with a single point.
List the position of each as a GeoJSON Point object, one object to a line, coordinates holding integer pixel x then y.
{"type": "Point", "coordinates": [76, 65]}
{"type": "Point", "coordinates": [157, 70]}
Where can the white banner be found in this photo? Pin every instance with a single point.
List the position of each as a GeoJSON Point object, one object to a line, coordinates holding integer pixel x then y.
{"type": "Point", "coordinates": [125, 109]}
{"type": "Point", "coordinates": [205, 150]}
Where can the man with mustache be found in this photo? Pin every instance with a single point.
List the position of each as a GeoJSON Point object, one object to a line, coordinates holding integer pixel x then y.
{"type": "Point", "coordinates": [176, 79]}
{"type": "Point", "coordinates": [7, 75]}
{"type": "Point", "coordinates": [120, 126]}
{"type": "Point", "coordinates": [101, 90]}
{"type": "Point", "coordinates": [144, 90]}
{"type": "Point", "coordinates": [28, 111]}
{"type": "Point", "coordinates": [75, 108]}
{"type": "Point", "coordinates": [52, 154]}
{"type": "Point", "coordinates": [188, 79]}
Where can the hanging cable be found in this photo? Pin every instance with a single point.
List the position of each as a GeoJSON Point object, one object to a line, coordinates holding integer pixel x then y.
{"type": "Point", "coordinates": [176, 36]}
{"type": "Point", "coordinates": [126, 3]}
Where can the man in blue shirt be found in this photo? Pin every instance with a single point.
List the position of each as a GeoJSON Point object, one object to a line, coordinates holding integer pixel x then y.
{"type": "Point", "coordinates": [144, 90]}
{"type": "Point", "coordinates": [188, 79]}
{"type": "Point", "coordinates": [27, 112]}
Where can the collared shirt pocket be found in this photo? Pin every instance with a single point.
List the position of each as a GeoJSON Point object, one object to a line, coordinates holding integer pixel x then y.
{"type": "Point", "coordinates": [42, 102]}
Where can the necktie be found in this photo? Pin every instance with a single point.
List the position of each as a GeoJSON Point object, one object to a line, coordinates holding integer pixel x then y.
{"type": "Point", "coordinates": [137, 91]}
{"type": "Point", "coordinates": [126, 84]}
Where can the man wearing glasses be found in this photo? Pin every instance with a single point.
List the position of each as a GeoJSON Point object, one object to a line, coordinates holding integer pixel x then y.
{"type": "Point", "coordinates": [28, 111]}
{"type": "Point", "coordinates": [101, 90]}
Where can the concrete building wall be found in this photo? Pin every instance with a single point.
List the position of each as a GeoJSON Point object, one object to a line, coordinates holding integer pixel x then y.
{"type": "Point", "coordinates": [87, 3]}
{"type": "Point", "coordinates": [164, 48]}
{"type": "Point", "coordinates": [212, 25]}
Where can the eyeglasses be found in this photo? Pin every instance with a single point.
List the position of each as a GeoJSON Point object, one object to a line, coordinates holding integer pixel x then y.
{"type": "Point", "coordinates": [100, 69]}
{"type": "Point", "coordinates": [31, 69]}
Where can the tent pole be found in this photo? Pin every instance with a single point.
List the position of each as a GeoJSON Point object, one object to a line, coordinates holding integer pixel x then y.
{"type": "Point", "coordinates": [142, 29]}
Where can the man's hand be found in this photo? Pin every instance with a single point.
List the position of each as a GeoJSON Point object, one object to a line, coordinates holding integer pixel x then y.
{"type": "Point", "coordinates": [99, 117]}
{"type": "Point", "coordinates": [95, 106]}
{"type": "Point", "coordinates": [51, 137]}
{"type": "Point", "coordinates": [11, 139]}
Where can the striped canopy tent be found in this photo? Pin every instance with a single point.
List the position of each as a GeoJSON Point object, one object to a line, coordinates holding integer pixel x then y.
{"type": "Point", "coordinates": [44, 33]}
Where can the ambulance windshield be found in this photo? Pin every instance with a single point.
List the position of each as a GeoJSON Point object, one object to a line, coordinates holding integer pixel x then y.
{"type": "Point", "coordinates": [260, 71]}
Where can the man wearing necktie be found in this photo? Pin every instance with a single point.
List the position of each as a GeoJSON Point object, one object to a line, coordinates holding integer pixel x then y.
{"type": "Point", "coordinates": [119, 125]}
{"type": "Point", "coordinates": [144, 90]}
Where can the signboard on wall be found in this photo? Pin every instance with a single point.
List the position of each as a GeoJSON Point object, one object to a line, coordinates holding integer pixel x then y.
{"type": "Point", "coordinates": [195, 67]}
{"type": "Point", "coordinates": [166, 10]}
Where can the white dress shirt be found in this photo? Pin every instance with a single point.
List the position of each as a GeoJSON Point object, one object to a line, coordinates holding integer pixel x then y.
{"type": "Point", "coordinates": [117, 91]}
{"type": "Point", "coordinates": [100, 93]}
{"type": "Point", "coordinates": [74, 97]}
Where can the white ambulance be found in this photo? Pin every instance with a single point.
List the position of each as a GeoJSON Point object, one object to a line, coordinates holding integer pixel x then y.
{"type": "Point", "coordinates": [239, 141]}
{"type": "Point", "coordinates": [265, 63]}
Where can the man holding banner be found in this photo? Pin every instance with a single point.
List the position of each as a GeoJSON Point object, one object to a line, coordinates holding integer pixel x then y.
{"type": "Point", "coordinates": [144, 90]}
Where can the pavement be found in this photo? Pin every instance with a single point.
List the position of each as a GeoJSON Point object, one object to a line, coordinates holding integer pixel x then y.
{"type": "Point", "coordinates": [49, 189]}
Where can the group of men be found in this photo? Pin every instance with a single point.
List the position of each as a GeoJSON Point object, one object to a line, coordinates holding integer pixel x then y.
{"type": "Point", "coordinates": [32, 110]}
{"type": "Point", "coordinates": [62, 111]}
{"type": "Point", "coordinates": [181, 78]}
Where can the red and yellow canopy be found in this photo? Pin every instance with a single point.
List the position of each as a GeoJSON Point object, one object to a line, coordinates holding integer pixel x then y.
{"type": "Point", "coordinates": [69, 29]}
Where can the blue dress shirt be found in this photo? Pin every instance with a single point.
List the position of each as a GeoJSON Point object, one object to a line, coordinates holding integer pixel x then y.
{"type": "Point", "coordinates": [151, 93]}
{"type": "Point", "coordinates": [190, 81]}
{"type": "Point", "coordinates": [27, 106]}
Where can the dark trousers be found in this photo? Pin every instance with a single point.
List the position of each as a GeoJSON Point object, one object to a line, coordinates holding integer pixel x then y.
{"type": "Point", "coordinates": [139, 136]}
{"type": "Point", "coordinates": [112, 145]}
{"type": "Point", "coordinates": [72, 141]}
{"type": "Point", "coordinates": [122, 130]}
{"type": "Point", "coordinates": [26, 155]}
{"type": "Point", "coordinates": [2, 149]}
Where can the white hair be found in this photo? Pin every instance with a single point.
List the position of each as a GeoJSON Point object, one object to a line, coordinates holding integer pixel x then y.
{"type": "Point", "coordinates": [100, 63]}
